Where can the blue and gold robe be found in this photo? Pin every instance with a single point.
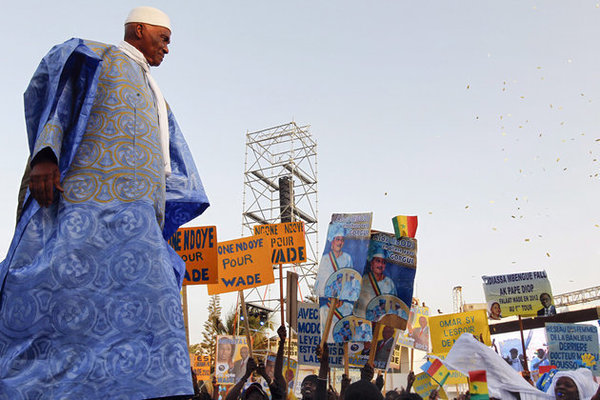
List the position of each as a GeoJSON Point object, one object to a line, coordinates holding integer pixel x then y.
{"type": "Point", "coordinates": [90, 304]}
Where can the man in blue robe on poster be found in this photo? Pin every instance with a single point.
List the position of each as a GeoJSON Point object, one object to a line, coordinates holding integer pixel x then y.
{"type": "Point", "coordinates": [90, 304]}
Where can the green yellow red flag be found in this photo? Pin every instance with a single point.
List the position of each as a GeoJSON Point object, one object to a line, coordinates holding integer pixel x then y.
{"type": "Point", "coordinates": [405, 225]}
{"type": "Point", "coordinates": [478, 385]}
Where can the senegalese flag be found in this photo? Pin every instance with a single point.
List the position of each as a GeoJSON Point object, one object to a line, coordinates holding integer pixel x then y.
{"type": "Point", "coordinates": [478, 385]}
{"type": "Point", "coordinates": [437, 371]}
{"type": "Point", "coordinates": [405, 225]}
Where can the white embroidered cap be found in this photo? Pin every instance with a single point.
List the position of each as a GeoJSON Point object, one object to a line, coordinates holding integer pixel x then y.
{"type": "Point", "coordinates": [150, 16]}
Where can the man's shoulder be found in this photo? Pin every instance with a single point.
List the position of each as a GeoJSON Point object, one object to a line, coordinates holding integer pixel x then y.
{"type": "Point", "coordinates": [101, 49]}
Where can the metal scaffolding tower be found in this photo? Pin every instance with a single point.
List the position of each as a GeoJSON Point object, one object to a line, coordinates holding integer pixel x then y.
{"type": "Point", "coordinates": [280, 185]}
{"type": "Point", "coordinates": [457, 299]}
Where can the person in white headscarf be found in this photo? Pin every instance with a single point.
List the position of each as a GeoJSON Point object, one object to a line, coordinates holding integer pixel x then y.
{"type": "Point", "coordinates": [494, 310]}
{"type": "Point", "coordinates": [574, 385]}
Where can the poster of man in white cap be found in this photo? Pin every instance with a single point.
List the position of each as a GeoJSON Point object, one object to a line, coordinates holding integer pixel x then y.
{"type": "Point", "coordinates": [387, 283]}
{"type": "Point", "coordinates": [342, 265]}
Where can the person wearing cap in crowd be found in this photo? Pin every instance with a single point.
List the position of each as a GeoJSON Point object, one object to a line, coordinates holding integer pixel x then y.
{"type": "Point", "coordinates": [90, 287]}
{"type": "Point", "coordinates": [334, 260]}
{"type": "Point", "coordinates": [540, 359]}
{"type": "Point", "coordinates": [515, 360]}
{"type": "Point", "coordinates": [374, 282]}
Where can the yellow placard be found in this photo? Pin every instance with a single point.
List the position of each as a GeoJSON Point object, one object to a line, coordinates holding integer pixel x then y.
{"type": "Point", "coordinates": [243, 263]}
{"type": "Point", "coordinates": [455, 378]}
{"type": "Point", "coordinates": [525, 293]}
{"type": "Point", "coordinates": [287, 239]}
{"type": "Point", "coordinates": [201, 366]}
{"type": "Point", "coordinates": [424, 384]}
{"type": "Point", "coordinates": [197, 247]}
{"type": "Point", "coordinates": [445, 329]}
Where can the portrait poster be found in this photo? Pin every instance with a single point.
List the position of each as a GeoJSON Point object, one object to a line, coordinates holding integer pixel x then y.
{"type": "Point", "coordinates": [309, 338]}
{"type": "Point", "coordinates": [417, 327]}
{"type": "Point", "coordinates": [197, 247]}
{"type": "Point", "coordinates": [527, 294]}
{"type": "Point", "coordinates": [446, 328]}
{"type": "Point", "coordinates": [290, 373]}
{"type": "Point", "coordinates": [342, 264]}
{"type": "Point", "coordinates": [572, 346]}
{"type": "Point", "coordinates": [384, 347]}
{"type": "Point", "coordinates": [231, 358]}
{"type": "Point", "coordinates": [243, 263]}
{"type": "Point", "coordinates": [388, 279]}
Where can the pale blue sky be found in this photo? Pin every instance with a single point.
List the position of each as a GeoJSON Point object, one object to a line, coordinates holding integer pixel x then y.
{"type": "Point", "coordinates": [438, 104]}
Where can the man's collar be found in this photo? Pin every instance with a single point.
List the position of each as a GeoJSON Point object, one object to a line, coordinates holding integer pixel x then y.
{"type": "Point", "coordinates": [135, 54]}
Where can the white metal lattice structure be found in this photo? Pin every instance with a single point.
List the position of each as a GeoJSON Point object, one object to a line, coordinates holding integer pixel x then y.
{"type": "Point", "coordinates": [457, 299]}
{"type": "Point", "coordinates": [282, 152]}
{"type": "Point", "coordinates": [577, 297]}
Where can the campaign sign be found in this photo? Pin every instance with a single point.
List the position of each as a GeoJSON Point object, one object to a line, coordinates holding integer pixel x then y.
{"type": "Point", "coordinates": [197, 247]}
{"type": "Point", "coordinates": [527, 294]}
{"type": "Point", "coordinates": [342, 265]}
{"type": "Point", "coordinates": [418, 327]}
{"type": "Point", "coordinates": [243, 263]}
{"type": "Point", "coordinates": [358, 354]}
{"type": "Point", "coordinates": [232, 353]}
{"type": "Point", "coordinates": [201, 366]}
{"type": "Point", "coordinates": [309, 338]}
{"type": "Point", "coordinates": [384, 347]}
{"type": "Point", "coordinates": [445, 329]}
{"type": "Point", "coordinates": [287, 240]}
{"type": "Point", "coordinates": [388, 279]}
{"type": "Point", "coordinates": [402, 342]}
{"type": "Point", "coordinates": [424, 384]}
{"type": "Point", "coordinates": [572, 346]}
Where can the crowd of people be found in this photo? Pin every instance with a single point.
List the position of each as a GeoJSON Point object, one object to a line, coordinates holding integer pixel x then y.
{"type": "Point", "coordinates": [564, 385]}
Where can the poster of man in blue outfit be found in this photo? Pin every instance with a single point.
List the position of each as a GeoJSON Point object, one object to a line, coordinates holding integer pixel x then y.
{"type": "Point", "coordinates": [388, 279]}
{"type": "Point", "coordinates": [342, 265]}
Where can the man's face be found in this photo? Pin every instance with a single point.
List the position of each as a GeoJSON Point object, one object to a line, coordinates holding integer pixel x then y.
{"type": "Point", "coordinates": [545, 300]}
{"type": "Point", "coordinates": [540, 353]}
{"type": "Point", "coordinates": [244, 352]}
{"type": "Point", "coordinates": [423, 321]}
{"type": "Point", "coordinates": [308, 390]}
{"type": "Point", "coordinates": [514, 353]}
{"type": "Point", "coordinates": [388, 332]}
{"type": "Point", "coordinates": [378, 265]}
{"type": "Point", "coordinates": [155, 43]}
{"type": "Point", "coordinates": [337, 243]}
